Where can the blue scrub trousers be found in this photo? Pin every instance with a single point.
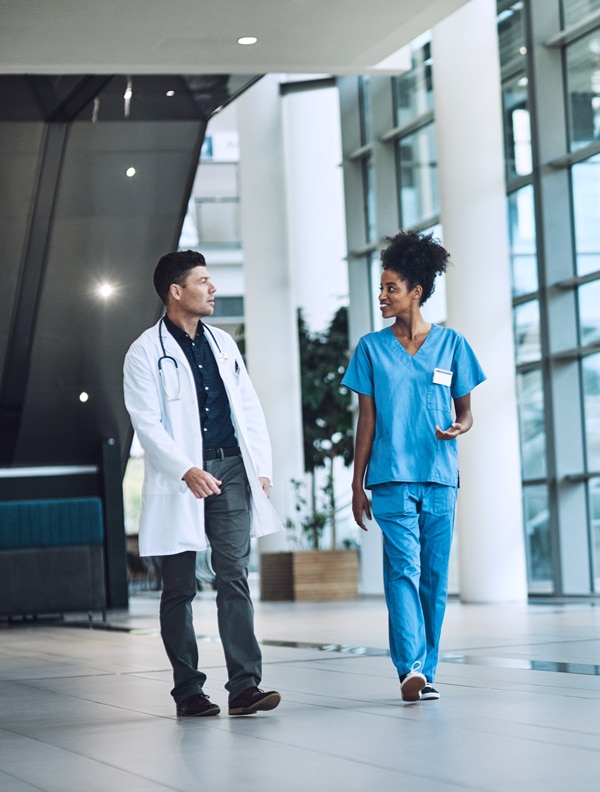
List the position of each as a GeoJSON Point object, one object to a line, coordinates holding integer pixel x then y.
{"type": "Point", "coordinates": [417, 521]}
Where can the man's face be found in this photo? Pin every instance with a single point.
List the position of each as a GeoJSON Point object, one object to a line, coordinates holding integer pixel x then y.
{"type": "Point", "coordinates": [195, 296]}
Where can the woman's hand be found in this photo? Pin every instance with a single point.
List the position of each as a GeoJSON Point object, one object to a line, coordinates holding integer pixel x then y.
{"type": "Point", "coordinates": [360, 506]}
{"type": "Point", "coordinates": [463, 422]}
{"type": "Point", "coordinates": [448, 434]}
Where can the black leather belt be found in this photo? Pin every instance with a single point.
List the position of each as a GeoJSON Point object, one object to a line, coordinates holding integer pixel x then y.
{"type": "Point", "coordinates": [221, 453]}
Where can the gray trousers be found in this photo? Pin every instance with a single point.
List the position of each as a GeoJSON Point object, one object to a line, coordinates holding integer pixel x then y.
{"type": "Point", "coordinates": [227, 519]}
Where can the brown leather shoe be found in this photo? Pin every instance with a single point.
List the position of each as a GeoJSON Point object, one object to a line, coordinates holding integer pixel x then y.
{"type": "Point", "coordinates": [196, 706]}
{"type": "Point", "coordinates": [252, 700]}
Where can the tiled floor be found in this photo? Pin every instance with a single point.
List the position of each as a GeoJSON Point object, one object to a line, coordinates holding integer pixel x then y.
{"type": "Point", "coordinates": [89, 710]}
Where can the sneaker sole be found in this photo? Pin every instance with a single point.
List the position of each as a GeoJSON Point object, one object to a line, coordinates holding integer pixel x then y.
{"type": "Point", "coordinates": [411, 689]}
{"type": "Point", "coordinates": [264, 705]}
{"type": "Point", "coordinates": [430, 697]}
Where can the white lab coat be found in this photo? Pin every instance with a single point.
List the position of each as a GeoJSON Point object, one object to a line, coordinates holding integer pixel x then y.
{"type": "Point", "coordinates": [168, 428]}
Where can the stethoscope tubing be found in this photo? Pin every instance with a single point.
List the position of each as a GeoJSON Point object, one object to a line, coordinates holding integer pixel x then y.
{"type": "Point", "coordinates": [222, 358]}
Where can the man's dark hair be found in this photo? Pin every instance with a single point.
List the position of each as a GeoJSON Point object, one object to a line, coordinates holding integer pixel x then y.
{"type": "Point", "coordinates": [173, 268]}
{"type": "Point", "coordinates": [417, 258]}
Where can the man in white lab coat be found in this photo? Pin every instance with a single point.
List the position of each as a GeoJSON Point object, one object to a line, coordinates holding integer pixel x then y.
{"type": "Point", "coordinates": [207, 475]}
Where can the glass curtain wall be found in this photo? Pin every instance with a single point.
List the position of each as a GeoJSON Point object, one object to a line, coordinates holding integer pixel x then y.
{"type": "Point", "coordinates": [556, 293]}
{"type": "Point", "coordinates": [550, 65]}
{"type": "Point", "coordinates": [415, 145]}
{"type": "Point", "coordinates": [389, 147]}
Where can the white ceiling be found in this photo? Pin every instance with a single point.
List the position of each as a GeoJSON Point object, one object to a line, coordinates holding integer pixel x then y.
{"type": "Point", "coordinates": [198, 36]}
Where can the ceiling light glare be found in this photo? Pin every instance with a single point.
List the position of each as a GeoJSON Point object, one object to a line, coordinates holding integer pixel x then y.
{"type": "Point", "coordinates": [245, 41]}
{"type": "Point", "coordinates": [83, 397]}
{"type": "Point", "coordinates": [170, 93]}
{"type": "Point", "coordinates": [105, 290]}
{"type": "Point", "coordinates": [130, 172]}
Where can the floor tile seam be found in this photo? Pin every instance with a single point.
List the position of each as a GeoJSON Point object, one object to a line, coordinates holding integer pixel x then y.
{"type": "Point", "coordinates": [339, 650]}
{"type": "Point", "coordinates": [20, 780]}
{"type": "Point", "coordinates": [518, 689]}
{"type": "Point", "coordinates": [158, 785]}
{"type": "Point", "coordinates": [87, 700]}
{"type": "Point", "coordinates": [553, 677]}
{"type": "Point", "coordinates": [512, 645]}
{"type": "Point", "coordinates": [27, 680]}
{"type": "Point", "coordinates": [396, 771]}
{"type": "Point", "coordinates": [537, 678]}
{"type": "Point", "coordinates": [535, 727]}
{"type": "Point", "coordinates": [155, 631]}
{"type": "Point", "coordinates": [318, 660]}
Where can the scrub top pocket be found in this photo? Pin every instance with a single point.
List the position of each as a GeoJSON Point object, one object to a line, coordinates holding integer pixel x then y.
{"type": "Point", "coordinates": [438, 398]}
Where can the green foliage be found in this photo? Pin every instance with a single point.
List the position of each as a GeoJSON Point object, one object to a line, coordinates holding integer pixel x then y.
{"type": "Point", "coordinates": [326, 416]}
{"type": "Point", "coordinates": [312, 521]}
{"type": "Point", "coordinates": [326, 404]}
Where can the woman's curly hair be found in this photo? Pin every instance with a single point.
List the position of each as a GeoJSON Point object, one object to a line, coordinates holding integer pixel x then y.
{"type": "Point", "coordinates": [417, 258]}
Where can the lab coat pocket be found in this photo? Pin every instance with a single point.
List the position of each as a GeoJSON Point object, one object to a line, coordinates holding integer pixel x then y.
{"type": "Point", "coordinates": [156, 483]}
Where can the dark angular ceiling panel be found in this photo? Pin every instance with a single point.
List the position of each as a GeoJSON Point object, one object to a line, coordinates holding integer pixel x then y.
{"type": "Point", "coordinates": [71, 220]}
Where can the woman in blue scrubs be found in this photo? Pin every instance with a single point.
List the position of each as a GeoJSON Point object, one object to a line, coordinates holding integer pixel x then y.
{"type": "Point", "coordinates": [409, 378]}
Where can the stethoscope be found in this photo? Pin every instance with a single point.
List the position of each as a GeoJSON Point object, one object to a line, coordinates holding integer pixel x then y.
{"type": "Point", "coordinates": [164, 358]}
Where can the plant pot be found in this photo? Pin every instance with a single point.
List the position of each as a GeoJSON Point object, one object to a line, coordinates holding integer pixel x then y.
{"type": "Point", "coordinates": [309, 575]}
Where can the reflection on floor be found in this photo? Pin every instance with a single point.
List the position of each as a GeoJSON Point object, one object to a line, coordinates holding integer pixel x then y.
{"type": "Point", "coordinates": [89, 709]}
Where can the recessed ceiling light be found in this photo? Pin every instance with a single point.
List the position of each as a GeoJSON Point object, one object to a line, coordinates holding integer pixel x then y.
{"type": "Point", "coordinates": [170, 93]}
{"type": "Point", "coordinates": [130, 172]}
{"type": "Point", "coordinates": [83, 397]}
{"type": "Point", "coordinates": [105, 290]}
{"type": "Point", "coordinates": [246, 40]}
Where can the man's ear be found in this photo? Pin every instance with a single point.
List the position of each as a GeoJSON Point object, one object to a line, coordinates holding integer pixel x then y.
{"type": "Point", "coordinates": [175, 291]}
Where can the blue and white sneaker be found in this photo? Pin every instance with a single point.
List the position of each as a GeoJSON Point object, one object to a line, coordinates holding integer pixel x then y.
{"type": "Point", "coordinates": [429, 693]}
{"type": "Point", "coordinates": [412, 684]}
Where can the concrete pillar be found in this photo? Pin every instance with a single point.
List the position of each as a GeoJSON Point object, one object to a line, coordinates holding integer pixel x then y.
{"type": "Point", "coordinates": [473, 209]}
{"type": "Point", "coordinates": [271, 330]}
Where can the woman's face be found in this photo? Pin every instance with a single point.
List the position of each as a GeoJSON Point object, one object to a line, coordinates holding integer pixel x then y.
{"type": "Point", "coordinates": [395, 298]}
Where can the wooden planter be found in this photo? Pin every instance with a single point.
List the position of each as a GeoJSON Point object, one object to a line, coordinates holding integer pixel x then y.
{"type": "Point", "coordinates": [309, 575]}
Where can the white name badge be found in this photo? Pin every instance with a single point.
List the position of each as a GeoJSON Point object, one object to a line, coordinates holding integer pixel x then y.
{"type": "Point", "coordinates": [442, 377]}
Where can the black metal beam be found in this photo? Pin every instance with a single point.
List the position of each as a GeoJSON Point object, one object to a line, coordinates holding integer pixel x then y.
{"type": "Point", "coordinates": [20, 339]}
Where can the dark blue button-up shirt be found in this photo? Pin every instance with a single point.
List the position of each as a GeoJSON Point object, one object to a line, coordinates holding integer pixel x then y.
{"type": "Point", "coordinates": [213, 404]}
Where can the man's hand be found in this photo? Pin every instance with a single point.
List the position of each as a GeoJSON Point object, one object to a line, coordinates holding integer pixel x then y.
{"type": "Point", "coordinates": [266, 485]}
{"type": "Point", "coordinates": [202, 483]}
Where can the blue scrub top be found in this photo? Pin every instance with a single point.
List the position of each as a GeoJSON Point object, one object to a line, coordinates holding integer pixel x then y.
{"type": "Point", "coordinates": [409, 404]}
